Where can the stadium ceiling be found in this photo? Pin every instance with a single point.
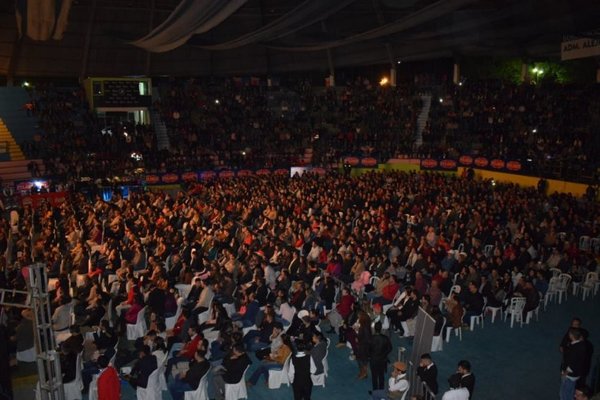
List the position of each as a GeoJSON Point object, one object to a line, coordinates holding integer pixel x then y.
{"type": "Point", "coordinates": [276, 36]}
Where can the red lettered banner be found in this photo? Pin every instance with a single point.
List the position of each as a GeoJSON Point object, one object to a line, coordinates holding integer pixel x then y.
{"type": "Point", "coordinates": [481, 162]}
{"type": "Point", "coordinates": [448, 164]}
{"type": "Point", "coordinates": [368, 162]}
{"type": "Point", "coordinates": [35, 200]}
{"type": "Point", "coordinates": [429, 163]}
{"type": "Point", "coordinates": [465, 160]}
{"type": "Point", "coordinates": [513, 166]}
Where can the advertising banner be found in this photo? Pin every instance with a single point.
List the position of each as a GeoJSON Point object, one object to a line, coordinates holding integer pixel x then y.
{"type": "Point", "coordinates": [579, 48]}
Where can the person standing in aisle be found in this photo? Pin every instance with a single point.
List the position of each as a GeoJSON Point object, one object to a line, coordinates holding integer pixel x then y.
{"type": "Point", "coordinates": [301, 368]}
{"type": "Point", "coordinates": [380, 347]}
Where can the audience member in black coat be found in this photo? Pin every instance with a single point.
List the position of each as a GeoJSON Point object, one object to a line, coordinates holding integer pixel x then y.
{"type": "Point", "coordinates": [467, 379]}
{"type": "Point", "coordinates": [575, 359]}
{"type": "Point", "coordinates": [156, 301]}
{"type": "Point", "coordinates": [75, 341]}
{"type": "Point", "coordinates": [575, 323]}
{"type": "Point", "coordinates": [106, 337]}
{"type": "Point", "coordinates": [142, 369]}
{"type": "Point", "coordinates": [68, 362]}
{"type": "Point", "coordinates": [473, 302]}
{"type": "Point", "coordinates": [301, 368]}
{"type": "Point", "coordinates": [231, 370]}
{"type": "Point", "coordinates": [427, 371]}
{"type": "Point", "coordinates": [405, 311]}
{"type": "Point", "coordinates": [5, 379]}
{"type": "Point", "coordinates": [194, 294]}
{"type": "Point", "coordinates": [190, 380]}
{"type": "Point", "coordinates": [380, 347]}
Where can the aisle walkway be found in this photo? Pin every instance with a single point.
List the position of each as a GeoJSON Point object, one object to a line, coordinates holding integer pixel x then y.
{"type": "Point", "coordinates": [519, 363]}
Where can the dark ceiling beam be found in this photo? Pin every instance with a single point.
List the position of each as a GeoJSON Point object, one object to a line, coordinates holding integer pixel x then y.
{"type": "Point", "coordinates": [381, 22]}
{"type": "Point", "coordinates": [13, 61]}
{"type": "Point", "coordinates": [263, 22]}
{"type": "Point", "coordinates": [148, 68]}
{"type": "Point", "coordinates": [328, 52]}
{"type": "Point", "coordinates": [88, 39]}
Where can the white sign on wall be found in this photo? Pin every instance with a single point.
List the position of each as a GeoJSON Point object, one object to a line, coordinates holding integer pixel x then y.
{"type": "Point", "coordinates": [579, 48]}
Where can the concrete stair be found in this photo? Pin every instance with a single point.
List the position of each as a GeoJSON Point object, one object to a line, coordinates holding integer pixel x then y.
{"type": "Point", "coordinates": [11, 171]}
{"type": "Point", "coordinates": [14, 150]}
{"type": "Point", "coordinates": [422, 119]}
{"type": "Point", "coordinates": [160, 129]}
{"type": "Point", "coordinates": [21, 126]}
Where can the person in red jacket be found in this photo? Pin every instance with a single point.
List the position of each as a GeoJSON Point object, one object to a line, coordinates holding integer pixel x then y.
{"type": "Point", "coordinates": [342, 311]}
{"type": "Point", "coordinates": [188, 350]}
{"type": "Point", "coordinates": [388, 292]}
{"type": "Point", "coordinates": [109, 384]}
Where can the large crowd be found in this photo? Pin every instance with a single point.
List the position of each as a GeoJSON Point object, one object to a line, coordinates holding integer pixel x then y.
{"type": "Point", "coordinates": [212, 125]}
{"type": "Point", "coordinates": [550, 128]}
{"type": "Point", "coordinates": [250, 126]}
{"type": "Point", "coordinates": [260, 264]}
{"type": "Point", "coordinates": [270, 269]}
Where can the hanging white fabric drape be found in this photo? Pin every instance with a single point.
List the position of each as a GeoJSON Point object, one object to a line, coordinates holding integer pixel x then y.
{"type": "Point", "coordinates": [306, 14]}
{"type": "Point", "coordinates": [42, 19]}
{"type": "Point", "coordinates": [189, 18]}
{"type": "Point", "coordinates": [420, 17]}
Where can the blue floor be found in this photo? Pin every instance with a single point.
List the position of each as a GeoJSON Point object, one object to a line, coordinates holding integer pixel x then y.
{"type": "Point", "coordinates": [518, 363]}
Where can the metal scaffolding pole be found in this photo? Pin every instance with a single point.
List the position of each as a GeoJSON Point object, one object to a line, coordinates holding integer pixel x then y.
{"type": "Point", "coordinates": [50, 377]}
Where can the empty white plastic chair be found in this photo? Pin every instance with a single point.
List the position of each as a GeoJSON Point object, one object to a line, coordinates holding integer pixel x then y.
{"type": "Point", "coordinates": [437, 342]}
{"type": "Point", "coordinates": [515, 309]}
{"type": "Point", "coordinates": [137, 330]}
{"type": "Point", "coordinates": [278, 377]}
{"type": "Point", "coordinates": [236, 391]}
{"type": "Point", "coordinates": [201, 393]}
{"type": "Point", "coordinates": [531, 313]}
{"type": "Point", "coordinates": [552, 292]}
{"type": "Point", "coordinates": [590, 285]}
{"type": "Point", "coordinates": [555, 272]}
{"type": "Point", "coordinates": [564, 281]}
{"type": "Point", "coordinates": [477, 319]}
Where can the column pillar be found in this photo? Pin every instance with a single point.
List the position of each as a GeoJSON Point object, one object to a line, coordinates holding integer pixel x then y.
{"type": "Point", "coordinates": [456, 73]}
{"type": "Point", "coordinates": [525, 73]}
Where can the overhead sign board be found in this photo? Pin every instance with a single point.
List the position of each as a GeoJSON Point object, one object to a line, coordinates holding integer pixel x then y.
{"type": "Point", "coordinates": [580, 48]}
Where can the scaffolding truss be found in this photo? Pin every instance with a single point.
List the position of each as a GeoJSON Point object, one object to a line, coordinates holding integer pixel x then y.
{"type": "Point", "coordinates": [36, 299]}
